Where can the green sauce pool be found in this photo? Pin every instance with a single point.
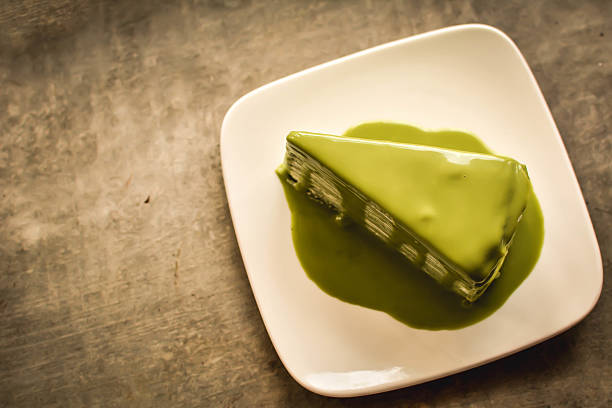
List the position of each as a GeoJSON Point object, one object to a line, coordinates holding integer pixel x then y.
{"type": "Point", "coordinates": [348, 263]}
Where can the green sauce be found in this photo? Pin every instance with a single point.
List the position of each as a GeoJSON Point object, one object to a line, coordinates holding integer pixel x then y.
{"type": "Point", "coordinates": [348, 263]}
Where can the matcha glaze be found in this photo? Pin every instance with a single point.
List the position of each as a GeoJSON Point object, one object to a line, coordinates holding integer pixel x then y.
{"type": "Point", "coordinates": [348, 263]}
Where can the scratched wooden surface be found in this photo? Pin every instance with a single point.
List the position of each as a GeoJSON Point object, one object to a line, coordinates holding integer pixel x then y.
{"type": "Point", "coordinates": [121, 283]}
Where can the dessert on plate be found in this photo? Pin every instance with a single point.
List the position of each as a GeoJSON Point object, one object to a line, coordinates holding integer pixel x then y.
{"type": "Point", "coordinates": [451, 213]}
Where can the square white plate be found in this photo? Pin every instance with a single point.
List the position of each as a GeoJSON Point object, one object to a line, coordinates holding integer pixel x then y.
{"type": "Point", "coordinates": [470, 78]}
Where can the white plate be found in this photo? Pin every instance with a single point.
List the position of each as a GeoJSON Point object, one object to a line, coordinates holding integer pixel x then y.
{"type": "Point", "coordinates": [470, 78]}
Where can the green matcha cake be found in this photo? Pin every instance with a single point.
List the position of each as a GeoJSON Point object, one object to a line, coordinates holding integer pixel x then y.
{"type": "Point", "coordinates": [452, 214]}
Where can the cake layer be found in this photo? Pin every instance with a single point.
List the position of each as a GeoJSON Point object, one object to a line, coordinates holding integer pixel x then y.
{"type": "Point", "coordinates": [451, 213]}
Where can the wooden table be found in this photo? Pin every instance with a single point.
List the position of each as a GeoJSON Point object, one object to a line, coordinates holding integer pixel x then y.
{"type": "Point", "coordinates": [121, 283]}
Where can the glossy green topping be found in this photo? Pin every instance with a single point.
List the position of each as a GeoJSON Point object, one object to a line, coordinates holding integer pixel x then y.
{"type": "Point", "coordinates": [354, 266]}
{"type": "Point", "coordinates": [464, 205]}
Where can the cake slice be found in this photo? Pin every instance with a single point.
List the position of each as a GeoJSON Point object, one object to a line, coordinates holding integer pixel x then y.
{"type": "Point", "coordinates": [452, 214]}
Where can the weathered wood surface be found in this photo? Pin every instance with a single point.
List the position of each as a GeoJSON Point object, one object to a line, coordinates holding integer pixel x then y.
{"type": "Point", "coordinates": [120, 279]}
